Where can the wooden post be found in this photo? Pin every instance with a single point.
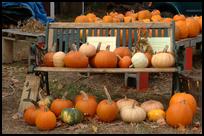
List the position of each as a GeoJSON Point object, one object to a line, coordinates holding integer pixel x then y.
{"type": "Point", "coordinates": [30, 91]}
{"type": "Point", "coordinates": [143, 81]}
{"type": "Point", "coordinates": [188, 58]}
{"type": "Point", "coordinates": [7, 49]}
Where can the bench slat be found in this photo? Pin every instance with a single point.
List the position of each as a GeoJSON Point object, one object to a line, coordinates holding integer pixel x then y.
{"type": "Point", "coordinates": [105, 70]}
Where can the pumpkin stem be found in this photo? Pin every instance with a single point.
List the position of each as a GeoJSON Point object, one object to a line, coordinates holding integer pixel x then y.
{"type": "Point", "coordinates": [166, 48]}
{"type": "Point", "coordinates": [108, 48]}
{"type": "Point", "coordinates": [131, 66]}
{"type": "Point", "coordinates": [125, 97]}
{"type": "Point", "coordinates": [64, 95]}
{"type": "Point", "coordinates": [98, 47]}
{"type": "Point", "coordinates": [85, 96]}
{"type": "Point", "coordinates": [108, 95]}
{"type": "Point", "coordinates": [32, 101]}
{"type": "Point", "coordinates": [119, 57]}
{"type": "Point", "coordinates": [74, 47]}
{"type": "Point", "coordinates": [133, 105]}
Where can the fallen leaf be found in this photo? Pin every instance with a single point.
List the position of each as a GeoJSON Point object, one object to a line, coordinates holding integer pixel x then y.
{"type": "Point", "coordinates": [17, 115]}
{"type": "Point", "coordinates": [94, 128]}
{"type": "Point", "coordinates": [161, 122]}
{"type": "Point", "coordinates": [197, 124]}
{"type": "Point", "coordinates": [59, 123]}
{"type": "Point", "coordinates": [194, 129]}
{"type": "Point", "coordinates": [154, 126]}
{"type": "Point", "coordinates": [14, 80]}
{"type": "Point", "coordinates": [181, 128]}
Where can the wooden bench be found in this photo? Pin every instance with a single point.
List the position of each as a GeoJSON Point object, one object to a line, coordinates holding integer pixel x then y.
{"type": "Point", "coordinates": [59, 36]}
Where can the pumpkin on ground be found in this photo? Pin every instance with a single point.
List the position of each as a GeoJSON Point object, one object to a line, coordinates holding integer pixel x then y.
{"type": "Point", "coordinates": [163, 59]}
{"type": "Point", "coordinates": [86, 106]}
{"type": "Point", "coordinates": [188, 98]}
{"type": "Point", "coordinates": [31, 112]}
{"type": "Point", "coordinates": [81, 96]}
{"type": "Point", "coordinates": [46, 120]}
{"type": "Point", "coordinates": [139, 60]}
{"type": "Point", "coordinates": [179, 114]}
{"type": "Point", "coordinates": [76, 59]}
{"type": "Point", "coordinates": [59, 104]}
{"type": "Point", "coordinates": [48, 59]}
{"type": "Point", "coordinates": [151, 105]}
{"type": "Point", "coordinates": [156, 114]}
{"type": "Point", "coordinates": [58, 59]}
{"type": "Point", "coordinates": [124, 62]}
{"type": "Point", "coordinates": [88, 50]}
{"type": "Point", "coordinates": [123, 51]}
{"type": "Point", "coordinates": [132, 113]}
{"type": "Point", "coordinates": [107, 109]}
{"type": "Point", "coordinates": [71, 116]}
{"type": "Point", "coordinates": [126, 102]}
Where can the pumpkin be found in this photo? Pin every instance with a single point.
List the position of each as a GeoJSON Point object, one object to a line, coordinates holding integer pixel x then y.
{"type": "Point", "coordinates": [188, 98]}
{"type": "Point", "coordinates": [81, 19]}
{"type": "Point", "coordinates": [76, 59]}
{"type": "Point", "coordinates": [151, 105]}
{"type": "Point", "coordinates": [113, 13]}
{"type": "Point", "coordinates": [81, 97]}
{"type": "Point", "coordinates": [128, 19]}
{"type": "Point", "coordinates": [86, 106]}
{"type": "Point", "coordinates": [46, 120]}
{"type": "Point", "coordinates": [98, 20]}
{"type": "Point", "coordinates": [59, 104]}
{"type": "Point", "coordinates": [121, 17]}
{"type": "Point", "coordinates": [107, 109]}
{"type": "Point", "coordinates": [193, 27]}
{"type": "Point", "coordinates": [124, 62]}
{"type": "Point", "coordinates": [155, 12]}
{"type": "Point", "coordinates": [156, 114]}
{"type": "Point", "coordinates": [46, 101]}
{"type": "Point", "coordinates": [58, 59]}
{"type": "Point", "coordinates": [156, 18]}
{"type": "Point", "coordinates": [91, 17]}
{"type": "Point", "coordinates": [126, 102]}
{"type": "Point", "coordinates": [123, 51]}
{"type": "Point", "coordinates": [129, 13]}
{"type": "Point", "coordinates": [116, 20]}
{"type": "Point", "coordinates": [92, 59]}
{"type": "Point", "coordinates": [107, 19]}
{"type": "Point", "coordinates": [163, 59]}
{"type": "Point", "coordinates": [177, 33]}
{"type": "Point", "coordinates": [139, 60]}
{"type": "Point", "coordinates": [179, 114]}
{"type": "Point", "coordinates": [132, 113]}
{"type": "Point", "coordinates": [199, 20]}
{"type": "Point", "coordinates": [149, 57]}
{"type": "Point", "coordinates": [167, 20]}
{"type": "Point", "coordinates": [183, 29]}
{"type": "Point", "coordinates": [71, 116]}
{"type": "Point", "coordinates": [30, 113]}
{"type": "Point", "coordinates": [179, 17]}
{"type": "Point", "coordinates": [144, 14]}
{"type": "Point", "coordinates": [105, 59]}
{"type": "Point", "coordinates": [88, 49]}
{"type": "Point", "coordinates": [48, 59]}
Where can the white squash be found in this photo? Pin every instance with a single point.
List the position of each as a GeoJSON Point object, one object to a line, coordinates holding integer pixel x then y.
{"type": "Point", "coordinates": [139, 60]}
{"type": "Point", "coordinates": [151, 105]}
{"type": "Point", "coordinates": [88, 49]}
{"type": "Point", "coordinates": [126, 102]}
{"type": "Point", "coordinates": [132, 113]}
{"type": "Point", "coordinates": [58, 59]}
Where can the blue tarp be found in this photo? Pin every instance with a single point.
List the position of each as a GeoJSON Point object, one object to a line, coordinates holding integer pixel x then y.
{"type": "Point", "coordinates": [36, 8]}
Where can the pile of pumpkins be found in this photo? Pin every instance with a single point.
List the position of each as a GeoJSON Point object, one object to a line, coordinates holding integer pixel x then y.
{"type": "Point", "coordinates": [185, 26]}
{"type": "Point", "coordinates": [122, 57]}
{"type": "Point", "coordinates": [47, 111]}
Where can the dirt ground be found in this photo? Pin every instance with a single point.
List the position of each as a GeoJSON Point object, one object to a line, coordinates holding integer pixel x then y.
{"type": "Point", "coordinates": [13, 75]}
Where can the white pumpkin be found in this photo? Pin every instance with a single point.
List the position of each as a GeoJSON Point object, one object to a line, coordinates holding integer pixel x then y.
{"type": "Point", "coordinates": [132, 113]}
{"type": "Point", "coordinates": [58, 59]}
{"type": "Point", "coordinates": [139, 60]}
{"type": "Point", "coordinates": [151, 105]}
{"type": "Point", "coordinates": [88, 49]}
{"type": "Point", "coordinates": [126, 102]}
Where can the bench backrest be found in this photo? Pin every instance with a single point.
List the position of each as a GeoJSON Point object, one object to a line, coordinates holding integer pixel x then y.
{"type": "Point", "coordinates": [60, 35]}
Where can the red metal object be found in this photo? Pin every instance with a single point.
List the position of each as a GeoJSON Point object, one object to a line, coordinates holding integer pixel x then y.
{"type": "Point", "coordinates": [188, 58]}
{"type": "Point", "coordinates": [143, 81]}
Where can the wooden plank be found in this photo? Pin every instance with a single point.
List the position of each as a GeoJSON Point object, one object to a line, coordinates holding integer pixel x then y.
{"type": "Point", "coordinates": [50, 40]}
{"type": "Point", "coordinates": [30, 90]}
{"type": "Point", "coordinates": [19, 32]}
{"type": "Point", "coordinates": [7, 51]}
{"type": "Point", "coordinates": [109, 25]}
{"type": "Point", "coordinates": [105, 70]}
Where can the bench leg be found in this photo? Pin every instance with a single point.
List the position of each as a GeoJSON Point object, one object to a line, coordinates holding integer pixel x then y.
{"type": "Point", "coordinates": [44, 82]}
{"type": "Point", "coordinates": [175, 83]}
{"type": "Point", "coordinates": [47, 83]}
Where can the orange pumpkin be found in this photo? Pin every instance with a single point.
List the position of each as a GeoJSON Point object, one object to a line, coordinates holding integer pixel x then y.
{"type": "Point", "coordinates": [91, 17]}
{"type": "Point", "coordinates": [46, 120]}
{"type": "Point", "coordinates": [105, 59]}
{"type": "Point", "coordinates": [188, 98]}
{"type": "Point", "coordinates": [107, 19]}
{"type": "Point", "coordinates": [48, 59]}
{"type": "Point", "coordinates": [123, 51]}
{"type": "Point", "coordinates": [86, 105]}
{"type": "Point", "coordinates": [179, 17]}
{"type": "Point", "coordinates": [167, 20]}
{"type": "Point", "coordinates": [124, 62]}
{"type": "Point", "coordinates": [149, 57]}
{"type": "Point", "coordinates": [76, 59]}
{"type": "Point", "coordinates": [81, 96]}
{"type": "Point", "coordinates": [182, 28]}
{"type": "Point", "coordinates": [128, 13]}
{"type": "Point", "coordinates": [116, 20]}
{"type": "Point", "coordinates": [128, 19]}
{"type": "Point", "coordinates": [113, 13]}
{"type": "Point", "coordinates": [199, 20]}
{"type": "Point", "coordinates": [121, 17]}
{"type": "Point", "coordinates": [31, 113]}
{"type": "Point", "coordinates": [81, 19]}
{"type": "Point", "coordinates": [155, 12]}
{"type": "Point", "coordinates": [144, 14]}
{"type": "Point", "coordinates": [107, 109]}
{"type": "Point", "coordinates": [178, 114]}
{"type": "Point", "coordinates": [193, 27]}
{"type": "Point", "coordinates": [156, 18]}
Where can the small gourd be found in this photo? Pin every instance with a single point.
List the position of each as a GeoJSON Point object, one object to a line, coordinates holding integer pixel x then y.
{"type": "Point", "coordinates": [156, 114]}
{"type": "Point", "coordinates": [58, 59]}
{"type": "Point", "coordinates": [139, 60]}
